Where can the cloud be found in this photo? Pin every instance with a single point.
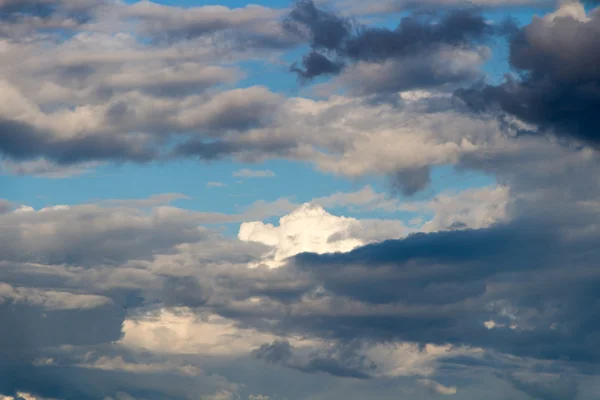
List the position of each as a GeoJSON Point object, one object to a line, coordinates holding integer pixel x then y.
{"type": "Point", "coordinates": [383, 7]}
{"type": "Point", "coordinates": [545, 386]}
{"type": "Point", "coordinates": [46, 169]}
{"type": "Point", "coordinates": [215, 184]}
{"type": "Point", "coordinates": [251, 24]}
{"type": "Point", "coordinates": [254, 173]}
{"type": "Point", "coordinates": [437, 388]}
{"type": "Point", "coordinates": [420, 52]}
{"type": "Point", "coordinates": [5, 206]}
{"type": "Point", "coordinates": [50, 299]}
{"type": "Point", "coordinates": [556, 58]}
{"type": "Point", "coordinates": [311, 228]}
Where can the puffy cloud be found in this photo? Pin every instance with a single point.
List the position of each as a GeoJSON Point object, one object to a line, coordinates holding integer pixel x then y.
{"type": "Point", "coordinates": [311, 229]}
{"type": "Point", "coordinates": [181, 331]}
{"type": "Point", "coordinates": [252, 23]}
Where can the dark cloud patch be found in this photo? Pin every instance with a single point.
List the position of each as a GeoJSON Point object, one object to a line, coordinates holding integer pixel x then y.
{"type": "Point", "coordinates": [557, 87]}
{"type": "Point", "coordinates": [278, 352]}
{"type": "Point", "coordinates": [315, 64]}
{"type": "Point", "coordinates": [12, 9]}
{"type": "Point", "coordinates": [343, 363]}
{"type": "Point", "coordinates": [333, 367]}
{"type": "Point", "coordinates": [21, 141]}
{"type": "Point", "coordinates": [75, 12]}
{"type": "Point", "coordinates": [68, 382]}
{"type": "Point", "coordinates": [338, 41]}
{"type": "Point", "coordinates": [410, 181]}
{"type": "Point", "coordinates": [247, 150]}
{"type": "Point", "coordinates": [29, 328]}
{"type": "Point", "coordinates": [442, 287]}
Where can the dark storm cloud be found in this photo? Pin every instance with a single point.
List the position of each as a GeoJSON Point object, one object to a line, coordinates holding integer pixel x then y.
{"type": "Point", "coordinates": [348, 42]}
{"type": "Point", "coordinates": [558, 84]}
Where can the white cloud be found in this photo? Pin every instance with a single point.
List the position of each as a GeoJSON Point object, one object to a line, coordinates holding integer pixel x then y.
{"type": "Point", "coordinates": [311, 229]}
{"type": "Point", "coordinates": [181, 331]}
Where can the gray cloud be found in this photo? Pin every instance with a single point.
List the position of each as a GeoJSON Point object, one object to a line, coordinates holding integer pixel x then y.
{"type": "Point", "coordinates": [556, 89]}
{"type": "Point", "coordinates": [338, 41]}
{"type": "Point", "coordinates": [545, 386]}
{"type": "Point", "coordinates": [340, 364]}
{"type": "Point", "coordinates": [410, 181]}
{"type": "Point", "coordinates": [22, 141]}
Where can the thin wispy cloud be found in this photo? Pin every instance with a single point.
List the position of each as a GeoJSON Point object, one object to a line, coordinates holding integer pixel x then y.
{"type": "Point", "coordinates": [254, 173]}
{"type": "Point", "coordinates": [215, 185]}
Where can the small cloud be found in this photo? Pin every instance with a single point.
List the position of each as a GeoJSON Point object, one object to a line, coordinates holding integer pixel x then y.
{"type": "Point", "coordinates": [215, 184]}
{"type": "Point", "coordinates": [438, 388]}
{"type": "Point", "coordinates": [254, 173]}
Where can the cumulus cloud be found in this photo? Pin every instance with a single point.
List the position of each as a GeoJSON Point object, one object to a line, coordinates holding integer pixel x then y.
{"type": "Point", "coordinates": [311, 229]}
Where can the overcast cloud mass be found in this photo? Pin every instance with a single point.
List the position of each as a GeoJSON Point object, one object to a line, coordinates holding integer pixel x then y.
{"type": "Point", "coordinates": [310, 200]}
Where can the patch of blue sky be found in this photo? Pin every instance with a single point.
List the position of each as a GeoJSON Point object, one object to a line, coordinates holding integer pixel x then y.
{"type": "Point", "coordinates": [300, 182]}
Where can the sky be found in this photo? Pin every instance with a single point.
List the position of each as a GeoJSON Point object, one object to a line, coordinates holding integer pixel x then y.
{"type": "Point", "coordinates": [309, 200]}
